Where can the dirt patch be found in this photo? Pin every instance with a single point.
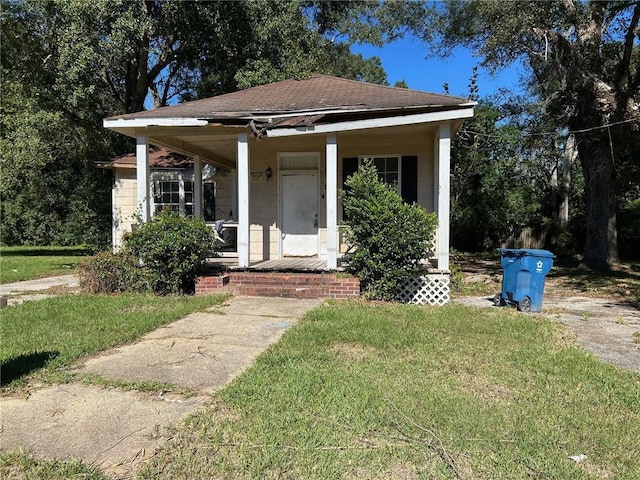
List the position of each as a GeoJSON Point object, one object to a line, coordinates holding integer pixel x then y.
{"type": "Point", "coordinates": [483, 389]}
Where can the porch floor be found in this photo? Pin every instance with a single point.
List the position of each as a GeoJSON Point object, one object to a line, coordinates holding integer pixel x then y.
{"type": "Point", "coordinates": [291, 264]}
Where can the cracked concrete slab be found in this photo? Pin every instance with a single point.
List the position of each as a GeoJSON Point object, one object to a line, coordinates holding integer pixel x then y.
{"type": "Point", "coordinates": [117, 430]}
{"type": "Point", "coordinates": [104, 427]}
{"type": "Point", "coordinates": [37, 289]}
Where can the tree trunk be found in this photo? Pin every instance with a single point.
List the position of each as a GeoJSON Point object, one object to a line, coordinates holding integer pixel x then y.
{"type": "Point", "coordinates": [569, 157]}
{"type": "Point", "coordinates": [601, 249]}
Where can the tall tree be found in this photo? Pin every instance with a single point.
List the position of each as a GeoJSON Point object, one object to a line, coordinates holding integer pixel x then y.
{"type": "Point", "coordinates": [67, 64]}
{"type": "Point", "coordinates": [589, 51]}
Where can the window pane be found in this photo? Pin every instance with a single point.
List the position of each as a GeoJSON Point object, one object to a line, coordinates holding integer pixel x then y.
{"type": "Point", "coordinates": [209, 198]}
{"type": "Point", "coordinates": [188, 186]}
{"type": "Point", "coordinates": [392, 164]}
{"type": "Point", "coordinates": [392, 178]}
{"type": "Point", "coordinates": [175, 197]}
{"type": "Point", "coordinates": [188, 197]}
{"type": "Point", "coordinates": [188, 210]}
{"type": "Point", "coordinates": [379, 163]}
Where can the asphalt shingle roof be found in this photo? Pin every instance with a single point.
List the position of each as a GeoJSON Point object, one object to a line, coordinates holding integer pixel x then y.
{"type": "Point", "coordinates": [315, 94]}
{"type": "Point", "coordinates": [158, 158]}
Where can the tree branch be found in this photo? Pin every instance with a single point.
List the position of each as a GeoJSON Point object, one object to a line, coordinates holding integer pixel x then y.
{"type": "Point", "coordinates": [625, 64]}
{"type": "Point", "coordinates": [114, 90]}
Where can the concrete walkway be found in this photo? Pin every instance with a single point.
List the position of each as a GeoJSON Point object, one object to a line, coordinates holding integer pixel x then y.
{"type": "Point", "coordinates": [116, 430]}
{"type": "Point", "coordinates": [38, 289]}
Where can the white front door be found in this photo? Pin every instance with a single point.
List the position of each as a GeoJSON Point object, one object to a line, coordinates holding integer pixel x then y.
{"type": "Point", "coordinates": [299, 213]}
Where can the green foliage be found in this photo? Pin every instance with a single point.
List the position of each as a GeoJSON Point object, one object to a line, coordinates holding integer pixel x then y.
{"type": "Point", "coordinates": [50, 190]}
{"type": "Point", "coordinates": [164, 256]}
{"type": "Point", "coordinates": [390, 236]}
{"type": "Point", "coordinates": [108, 272]}
{"type": "Point", "coordinates": [493, 192]}
{"type": "Point", "coordinates": [280, 40]}
{"type": "Point", "coordinates": [582, 62]}
{"type": "Point", "coordinates": [629, 230]}
{"type": "Point", "coordinates": [173, 250]}
{"type": "Point", "coordinates": [66, 65]}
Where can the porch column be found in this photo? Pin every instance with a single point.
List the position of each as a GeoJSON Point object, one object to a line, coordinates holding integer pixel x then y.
{"type": "Point", "coordinates": [142, 178]}
{"type": "Point", "coordinates": [197, 187]}
{"type": "Point", "coordinates": [441, 190]}
{"type": "Point", "coordinates": [332, 201]}
{"type": "Point", "coordinates": [243, 200]}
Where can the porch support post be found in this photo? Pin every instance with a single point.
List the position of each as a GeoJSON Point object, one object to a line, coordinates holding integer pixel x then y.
{"type": "Point", "coordinates": [243, 200]}
{"type": "Point", "coordinates": [332, 201]}
{"type": "Point", "coordinates": [441, 190]}
{"type": "Point", "coordinates": [197, 187]}
{"type": "Point", "coordinates": [142, 177]}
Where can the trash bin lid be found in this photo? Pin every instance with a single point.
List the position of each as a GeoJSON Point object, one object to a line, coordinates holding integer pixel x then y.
{"type": "Point", "coordinates": [523, 252]}
{"type": "Point", "coordinates": [534, 252]}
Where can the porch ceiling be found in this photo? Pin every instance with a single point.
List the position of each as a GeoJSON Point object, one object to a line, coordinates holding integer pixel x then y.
{"type": "Point", "coordinates": [215, 149]}
{"type": "Point", "coordinates": [218, 146]}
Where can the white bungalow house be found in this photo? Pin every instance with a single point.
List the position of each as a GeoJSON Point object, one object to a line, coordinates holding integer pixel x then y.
{"type": "Point", "coordinates": [273, 158]}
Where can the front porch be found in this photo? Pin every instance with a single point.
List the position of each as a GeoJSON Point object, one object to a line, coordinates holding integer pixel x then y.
{"type": "Point", "coordinates": [269, 162]}
{"type": "Point", "coordinates": [310, 278]}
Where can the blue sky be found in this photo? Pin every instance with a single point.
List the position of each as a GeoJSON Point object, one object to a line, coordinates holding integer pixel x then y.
{"type": "Point", "coordinates": [405, 60]}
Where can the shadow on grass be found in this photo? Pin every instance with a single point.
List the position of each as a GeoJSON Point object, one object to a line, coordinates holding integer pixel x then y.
{"type": "Point", "coordinates": [621, 283]}
{"type": "Point", "coordinates": [17, 367]}
{"type": "Point", "coordinates": [44, 252]}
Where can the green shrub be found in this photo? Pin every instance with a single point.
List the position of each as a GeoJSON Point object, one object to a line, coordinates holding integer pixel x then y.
{"type": "Point", "coordinates": [173, 250]}
{"type": "Point", "coordinates": [629, 230]}
{"type": "Point", "coordinates": [390, 236]}
{"type": "Point", "coordinates": [107, 272]}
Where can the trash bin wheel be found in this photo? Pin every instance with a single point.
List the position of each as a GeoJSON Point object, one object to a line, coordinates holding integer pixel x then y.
{"type": "Point", "coordinates": [524, 305]}
{"type": "Point", "coordinates": [497, 300]}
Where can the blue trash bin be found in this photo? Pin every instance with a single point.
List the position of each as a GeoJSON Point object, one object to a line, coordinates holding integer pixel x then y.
{"type": "Point", "coordinates": [524, 271]}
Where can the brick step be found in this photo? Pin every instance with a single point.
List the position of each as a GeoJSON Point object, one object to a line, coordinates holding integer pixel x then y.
{"type": "Point", "coordinates": [278, 291]}
{"type": "Point", "coordinates": [275, 284]}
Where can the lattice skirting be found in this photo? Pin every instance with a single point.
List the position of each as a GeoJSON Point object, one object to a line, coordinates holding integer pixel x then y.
{"type": "Point", "coordinates": [426, 290]}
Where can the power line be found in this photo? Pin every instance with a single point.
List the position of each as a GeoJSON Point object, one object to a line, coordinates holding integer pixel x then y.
{"type": "Point", "coordinates": [534, 134]}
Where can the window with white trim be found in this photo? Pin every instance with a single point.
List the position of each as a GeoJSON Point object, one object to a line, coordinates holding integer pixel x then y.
{"type": "Point", "coordinates": [172, 191]}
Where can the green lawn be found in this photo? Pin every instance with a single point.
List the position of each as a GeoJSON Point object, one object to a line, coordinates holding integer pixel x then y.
{"type": "Point", "coordinates": [25, 263]}
{"type": "Point", "coordinates": [40, 337]}
{"type": "Point", "coordinates": [390, 392]}
{"type": "Point", "coordinates": [374, 391]}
